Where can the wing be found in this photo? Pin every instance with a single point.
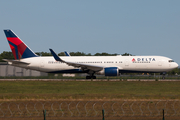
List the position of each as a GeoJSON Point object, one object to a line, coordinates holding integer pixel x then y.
{"type": "Point", "coordinates": [82, 66]}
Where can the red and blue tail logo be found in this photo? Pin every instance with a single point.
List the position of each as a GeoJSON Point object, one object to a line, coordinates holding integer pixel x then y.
{"type": "Point", "coordinates": [19, 49]}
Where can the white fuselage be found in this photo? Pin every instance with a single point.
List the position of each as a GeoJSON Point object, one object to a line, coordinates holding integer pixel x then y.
{"type": "Point", "coordinates": [123, 63]}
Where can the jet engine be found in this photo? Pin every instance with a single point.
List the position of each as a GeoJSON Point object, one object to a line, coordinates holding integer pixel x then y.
{"type": "Point", "coordinates": [110, 71]}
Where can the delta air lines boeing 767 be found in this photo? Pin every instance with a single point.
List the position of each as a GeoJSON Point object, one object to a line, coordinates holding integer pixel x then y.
{"type": "Point", "coordinates": [106, 65]}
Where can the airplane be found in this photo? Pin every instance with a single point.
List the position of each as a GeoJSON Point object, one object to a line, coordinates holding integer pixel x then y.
{"type": "Point", "coordinates": [92, 65]}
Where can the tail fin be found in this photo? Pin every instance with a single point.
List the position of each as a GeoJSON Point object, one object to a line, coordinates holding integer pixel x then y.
{"type": "Point", "coordinates": [18, 47]}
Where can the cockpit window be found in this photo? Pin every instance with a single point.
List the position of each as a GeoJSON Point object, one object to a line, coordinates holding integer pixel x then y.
{"type": "Point", "coordinates": [171, 60]}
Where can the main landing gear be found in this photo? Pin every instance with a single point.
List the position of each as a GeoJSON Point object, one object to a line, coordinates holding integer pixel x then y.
{"type": "Point", "coordinates": [90, 77]}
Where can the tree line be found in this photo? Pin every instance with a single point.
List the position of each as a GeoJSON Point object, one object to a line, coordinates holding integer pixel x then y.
{"type": "Point", "coordinates": [81, 54]}
{"type": "Point", "coordinates": [9, 55]}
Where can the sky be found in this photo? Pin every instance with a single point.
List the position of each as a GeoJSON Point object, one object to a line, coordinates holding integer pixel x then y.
{"type": "Point", "coordinates": [138, 27]}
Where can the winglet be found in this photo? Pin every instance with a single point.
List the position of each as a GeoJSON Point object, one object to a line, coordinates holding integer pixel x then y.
{"type": "Point", "coordinates": [67, 54]}
{"type": "Point", "coordinates": [56, 57]}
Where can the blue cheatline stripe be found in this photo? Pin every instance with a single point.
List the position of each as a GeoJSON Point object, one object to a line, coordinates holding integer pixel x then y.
{"type": "Point", "coordinates": [134, 71]}
{"type": "Point", "coordinates": [16, 49]}
{"type": "Point", "coordinates": [69, 71]}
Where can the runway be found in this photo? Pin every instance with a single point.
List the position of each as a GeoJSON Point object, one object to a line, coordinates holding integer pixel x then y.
{"type": "Point", "coordinates": [111, 80]}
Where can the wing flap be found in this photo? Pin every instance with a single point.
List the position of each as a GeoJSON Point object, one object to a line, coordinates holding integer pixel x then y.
{"type": "Point", "coordinates": [85, 66]}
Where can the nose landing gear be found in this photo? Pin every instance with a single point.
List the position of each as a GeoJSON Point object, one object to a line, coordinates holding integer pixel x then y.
{"type": "Point", "coordinates": [163, 75]}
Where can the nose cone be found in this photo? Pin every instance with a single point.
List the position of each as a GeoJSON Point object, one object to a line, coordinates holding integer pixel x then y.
{"type": "Point", "coordinates": [175, 65]}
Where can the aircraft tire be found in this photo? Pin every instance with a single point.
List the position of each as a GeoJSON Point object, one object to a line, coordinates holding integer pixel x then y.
{"type": "Point", "coordinates": [93, 77]}
{"type": "Point", "coordinates": [88, 77]}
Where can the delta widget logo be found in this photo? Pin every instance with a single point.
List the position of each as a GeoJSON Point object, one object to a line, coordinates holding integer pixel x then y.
{"type": "Point", "coordinates": [133, 60]}
{"type": "Point", "coordinates": [143, 59]}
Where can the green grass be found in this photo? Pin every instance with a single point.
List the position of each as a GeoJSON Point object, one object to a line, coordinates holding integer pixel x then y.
{"type": "Point", "coordinates": [89, 90]}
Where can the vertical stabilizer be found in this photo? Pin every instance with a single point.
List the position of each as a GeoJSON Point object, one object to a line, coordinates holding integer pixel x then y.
{"type": "Point", "coordinates": [18, 47]}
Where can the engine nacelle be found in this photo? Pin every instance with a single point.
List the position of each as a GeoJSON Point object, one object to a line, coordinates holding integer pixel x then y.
{"type": "Point", "coordinates": [110, 71]}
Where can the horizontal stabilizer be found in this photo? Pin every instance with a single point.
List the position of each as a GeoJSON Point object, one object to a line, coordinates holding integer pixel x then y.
{"type": "Point", "coordinates": [15, 62]}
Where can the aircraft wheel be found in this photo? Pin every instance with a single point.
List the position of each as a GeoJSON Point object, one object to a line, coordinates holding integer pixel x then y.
{"type": "Point", "coordinates": [88, 77]}
{"type": "Point", "coordinates": [94, 77]}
